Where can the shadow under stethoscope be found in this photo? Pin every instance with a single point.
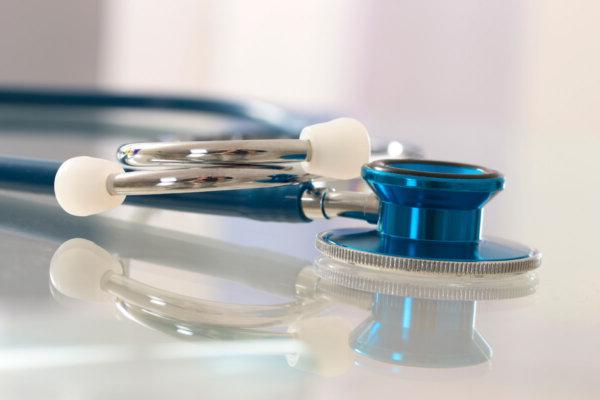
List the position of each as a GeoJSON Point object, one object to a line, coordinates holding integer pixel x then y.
{"type": "Point", "coordinates": [414, 320]}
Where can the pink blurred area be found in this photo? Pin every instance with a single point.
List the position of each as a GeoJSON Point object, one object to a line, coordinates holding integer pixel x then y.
{"type": "Point", "coordinates": [411, 68]}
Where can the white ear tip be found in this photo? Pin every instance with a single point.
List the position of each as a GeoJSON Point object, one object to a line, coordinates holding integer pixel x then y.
{"type": "Point", "coordinates": [339, 148]}
{"type": "Point", "coordinates": [80, 186]}
{"type": "Point", "coordinates": [77, 268]}
{"type": "Point", "coordinates": [327, 341]}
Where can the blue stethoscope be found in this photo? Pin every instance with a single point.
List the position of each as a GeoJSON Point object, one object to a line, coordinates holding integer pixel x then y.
{"type": "Point", "coordinates": [428, 213]}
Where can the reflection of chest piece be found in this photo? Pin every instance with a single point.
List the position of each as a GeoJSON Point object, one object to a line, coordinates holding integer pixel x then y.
{"type": "Point", "coordinates": [421, 333]}
{"type": "Point", "coordinates": [417, 320]}
{"type": "Point", "coordinates": [430, 220]}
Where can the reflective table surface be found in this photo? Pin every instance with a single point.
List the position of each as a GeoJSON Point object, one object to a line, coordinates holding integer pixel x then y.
{"type": "Point", "coordinates": [142, 303]}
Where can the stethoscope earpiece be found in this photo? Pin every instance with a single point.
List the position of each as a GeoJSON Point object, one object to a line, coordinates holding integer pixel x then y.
{"type": "Point", "coordinates": [80, 186]}
{"type": "Point", "coordinates": [338, 148]}
{"type": "Point", "coordinates": [78, 267]}
{"type": "Point", "coordinates": [326, 342]}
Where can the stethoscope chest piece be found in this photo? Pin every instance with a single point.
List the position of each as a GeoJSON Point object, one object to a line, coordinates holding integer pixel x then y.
{"type": "Point", "coordinates": [430, 219]}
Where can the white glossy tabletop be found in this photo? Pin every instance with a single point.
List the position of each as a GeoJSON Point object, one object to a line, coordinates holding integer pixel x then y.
{"type": "Point", "coordinates": [270, 334]}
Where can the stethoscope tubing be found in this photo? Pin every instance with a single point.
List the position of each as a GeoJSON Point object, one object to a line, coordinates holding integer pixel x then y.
{"type": "Point", "coordinates": [276, 121]}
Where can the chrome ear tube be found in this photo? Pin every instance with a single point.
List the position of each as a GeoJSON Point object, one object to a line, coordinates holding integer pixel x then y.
{"type": "Point", "coordinates": [189, 154]}
{"type": "Point", "coordinates": [336, 150]}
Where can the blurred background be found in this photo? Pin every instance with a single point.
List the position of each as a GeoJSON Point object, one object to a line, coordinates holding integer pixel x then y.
{"type": "Point", "coordinates": [509, 84]}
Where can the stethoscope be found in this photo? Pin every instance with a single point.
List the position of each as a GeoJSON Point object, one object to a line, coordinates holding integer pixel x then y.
{"type": "Point", "coordinates": [428, 213]}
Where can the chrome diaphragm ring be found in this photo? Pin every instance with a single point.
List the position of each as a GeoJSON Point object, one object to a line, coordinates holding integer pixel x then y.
{"type": "Point", "coordinates": [400, 263]}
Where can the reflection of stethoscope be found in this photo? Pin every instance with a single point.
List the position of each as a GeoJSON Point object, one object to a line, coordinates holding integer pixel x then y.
{"type": "Point", "coordinates": [429, 213]}
{"type": "Point", "coordinates": [415, 305]}
{"type": "Point", "coordinates": [414, 321]}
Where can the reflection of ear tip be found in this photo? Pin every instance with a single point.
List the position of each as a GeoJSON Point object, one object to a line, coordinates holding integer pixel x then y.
{"type": "Point", "coordinates": [77, 267]}
{"type": "Point", "coordinates": [326, 339]}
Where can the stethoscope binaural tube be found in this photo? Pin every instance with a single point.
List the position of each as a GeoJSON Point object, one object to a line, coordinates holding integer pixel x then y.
{"type": "Point", "coordinates": [336, 149]}
{"type": "Point", "coordinates": [285, 166]}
